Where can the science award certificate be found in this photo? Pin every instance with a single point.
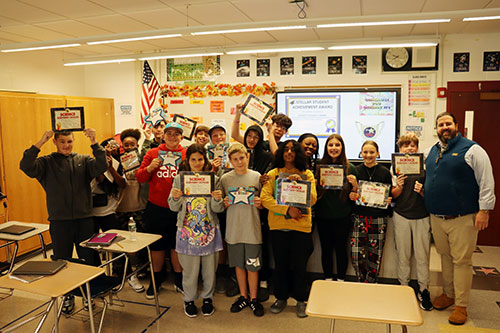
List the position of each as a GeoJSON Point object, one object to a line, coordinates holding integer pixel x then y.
{"type": "Point", "coordinates": [331, 176]}
{"type": "Point", "coordinates": [408, 164]}
{"type": "Point", "coordinates": [68, 119]}
{"type": "Point", "coordinates": [197, 184]}
{"type": "Point", "coordinates": [256, 109]}
{"type": "Point", "coordinates": [296, 193]}
{"type": "Point", "coordinates": [373, 194]}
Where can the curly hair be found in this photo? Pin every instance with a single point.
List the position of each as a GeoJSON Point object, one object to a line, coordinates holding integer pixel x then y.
{"type": "Point", "coordinates": [130, 132]}
{"type": "Point", "coordinates": [300, 161]}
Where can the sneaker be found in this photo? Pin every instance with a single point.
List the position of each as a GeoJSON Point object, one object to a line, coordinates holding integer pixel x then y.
{"type": "Point", "coordinates": [442, 302]}
{"type": "Point", "coordinates": [257, 308]}
{"type": "Point", "coordinates": [68, 304]}
{"type": "Point", "coordinates": [301, 310]}
{"type": "Point", "coordinates": [278, 306]}
{"type": "Point", "coordinates": [262, 294]}
{"type": "Point", "coordinates": [240, 304]}
{"type": "Point", "coordinates": [458, 316]}
{"type": "Point", "coordinates": [425, 300]}
{"type": "Point", "coordinates": [207, 309]}
{"type": "Point", "coordinates": [150, 293]}
{"type": "Point", "coordinates": [220, 285]}
{"type": "Point", "coordinates": [190, 309]}
{"type": "Point", "coordinates": [135, 284]}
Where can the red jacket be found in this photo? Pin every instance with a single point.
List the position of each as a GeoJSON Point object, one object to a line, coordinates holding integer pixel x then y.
{"type": "Point", "coordinates": [160, 180]}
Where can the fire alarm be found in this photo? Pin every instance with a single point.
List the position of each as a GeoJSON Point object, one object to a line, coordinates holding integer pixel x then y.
{"type": "Point", "coordinates": [441, 92]}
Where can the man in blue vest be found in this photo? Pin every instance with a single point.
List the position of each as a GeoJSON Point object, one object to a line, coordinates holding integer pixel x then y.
{"type": "Point", "coordinates": [459, 193]}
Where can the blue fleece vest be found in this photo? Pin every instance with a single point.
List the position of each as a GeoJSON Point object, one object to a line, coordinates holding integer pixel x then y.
{"type": "Point", "coordinates": [450, 185]}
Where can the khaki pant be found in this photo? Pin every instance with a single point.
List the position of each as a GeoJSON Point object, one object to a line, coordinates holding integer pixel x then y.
{"type": "Point", "coordinates": [455, 241]}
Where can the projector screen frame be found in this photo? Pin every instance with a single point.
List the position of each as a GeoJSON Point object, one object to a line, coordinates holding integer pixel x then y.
{"type": "Point", "coordinates": [360, 89]}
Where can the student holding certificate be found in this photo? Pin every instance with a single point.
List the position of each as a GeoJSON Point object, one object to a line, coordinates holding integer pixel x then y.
{"type": "Point", "coordinates": [290, 229]}
{"type": "Point", "coordinates": [333, 210]}
{"type": "Point", "coordinates": [199, 238]}
{"type": "Point", "coordinates": [370, 223]}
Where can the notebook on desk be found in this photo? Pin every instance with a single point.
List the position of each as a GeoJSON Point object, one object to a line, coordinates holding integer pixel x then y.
{"type": "Point", "coordinates": [102, 239]}
{"type": "Point", "coordinates": [16, 229]}
{"type": "Point", "coordinates": [38, 267]}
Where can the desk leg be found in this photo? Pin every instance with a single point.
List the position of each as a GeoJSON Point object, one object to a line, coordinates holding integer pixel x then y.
{"type": "Point", "coordinates": [388, 328]}
{"type": "Point", "coordinates": [91, 311]}
{"type": "Point", "coordinates": [42, 243]}
{"type": "Point", "coordinates": [13, 259]}
{"type": "Point", "coordinates": [153, 281]}
{"type": "Point", "coordinates": [332, 325]}
{"type": "Point", "coordinates": [56, 315]}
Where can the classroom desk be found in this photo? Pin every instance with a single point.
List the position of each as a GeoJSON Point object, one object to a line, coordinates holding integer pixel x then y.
{"type": "Point", "coordinates": [129, 246]}
{"type": "Point", "coordinates": [14, 239]}
{"type": "Point", "coordinates": [377, 303]}
{"type": "Point", "coordinates": [70, 277]}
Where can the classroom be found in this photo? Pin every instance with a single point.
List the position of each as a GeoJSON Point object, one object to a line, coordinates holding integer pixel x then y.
{"type": "Point", "coordinates": [367, 71]}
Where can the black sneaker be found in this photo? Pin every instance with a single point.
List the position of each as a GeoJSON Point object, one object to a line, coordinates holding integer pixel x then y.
{"type": "Point", "coordinates": [257, 308]}
{"type": "Point", "coordinates": [240, 304]}
{"type": "Point", "coordinates": [150, 293]}
{"type": "Point", "coordinates": [190, 309]}
{"type": "Point", "coordinates": [207, 309]}
{"type": "Point", "coordinates": [68, 304]}
{"type": "Point", "coordinates": [425, 300]}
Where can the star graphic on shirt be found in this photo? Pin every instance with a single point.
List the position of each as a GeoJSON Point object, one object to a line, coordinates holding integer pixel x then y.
{"type": "Point", "coordinates": [155, 116]}
{"type": "Point", "coordinates": [170, 158]}
{"type": "Point", "coordinates": [241, 195]}
{"type": "Point", "coordinates": [487, 270]}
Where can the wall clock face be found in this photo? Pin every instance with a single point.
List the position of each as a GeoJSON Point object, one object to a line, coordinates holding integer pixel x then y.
{"type": "Point", "coordinates": [397, 57]}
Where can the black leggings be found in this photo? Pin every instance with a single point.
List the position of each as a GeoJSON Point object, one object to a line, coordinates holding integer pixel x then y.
{"type": "Point", "coordinates": [334, 234]}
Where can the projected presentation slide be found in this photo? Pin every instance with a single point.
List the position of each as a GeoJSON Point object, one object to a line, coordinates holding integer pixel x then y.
{"type": "Point", "coordinates": [356, 115]}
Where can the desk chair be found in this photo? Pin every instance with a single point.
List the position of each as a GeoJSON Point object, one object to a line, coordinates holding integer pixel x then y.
{"type": "Point", "coordinates": [101, 287]}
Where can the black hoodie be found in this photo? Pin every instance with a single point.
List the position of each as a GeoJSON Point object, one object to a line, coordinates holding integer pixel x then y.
{"type": "Point", "coordinates": [260, 160]}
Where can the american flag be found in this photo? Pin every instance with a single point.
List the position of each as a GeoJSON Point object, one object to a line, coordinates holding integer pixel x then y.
{"type": "Point", "coordinates": [150, 88]}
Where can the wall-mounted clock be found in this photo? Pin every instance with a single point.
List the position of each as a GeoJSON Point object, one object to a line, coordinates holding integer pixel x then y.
{"type": "Point", "coordinates": [409, 59]}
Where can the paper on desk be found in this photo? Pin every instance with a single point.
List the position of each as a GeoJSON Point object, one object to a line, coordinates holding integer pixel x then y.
{"type": "Point", "coordinates": [26, 278]}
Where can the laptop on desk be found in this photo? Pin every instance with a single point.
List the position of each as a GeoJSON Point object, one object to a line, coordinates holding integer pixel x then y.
{"type": "Point", "coordinates": [16, 230]}
{"type": "Point", "coordinates": [38, 267]}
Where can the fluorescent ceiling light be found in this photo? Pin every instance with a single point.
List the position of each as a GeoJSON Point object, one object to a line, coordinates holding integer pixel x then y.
{"type": "Point", "coordinates": [294, 27]}
{"type": "Point", "coordinates": [132, 39]}
{"type": "Point", "coordinates": [41, 48]}
{"type": "Point", "coordinates": [181, 56]}
{"type": "Point", "coordinates": [481, 18]}
{"type": "Point", "coordinates": [83, 63]}
{"type": "Point", "coordinates": [296, 49]}
{"type": "Point", "coordinates": [362, 24]}
{"type": "Point", "coordinates": [376, 46]}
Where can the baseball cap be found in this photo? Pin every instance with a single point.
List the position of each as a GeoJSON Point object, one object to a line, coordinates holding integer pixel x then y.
{"type": "Point", "coordinates": [215, 127]}
{"type": "Point", "coordinates": [173, 125]}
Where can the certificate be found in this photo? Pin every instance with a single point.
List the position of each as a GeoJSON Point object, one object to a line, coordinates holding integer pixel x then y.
{"type": "Point", "coordinates": [170, 158]}
{"type": "Point", "coordinates": [373, 194]}
{"type": "Point", "coordinates": [256, 109]}
{"type": "Point", "coordinates": [68, 119]}
{"type": "Point", "coordinates": [188, 125]}
{"type": "Point", "coordinates": [219, 151]}
{"type": "Point", "coordinates": [331, 176]}
{"type": "Point", "coordinates": [241, 195]}
{"type": "Point", "coordinates": [130, 160]}
{"type": "Point", "coordinates": [408, 164]}
{"type": "Point", "coordinates": [296, 193]}
{"type": "Point", "coordinates": [197, 184]}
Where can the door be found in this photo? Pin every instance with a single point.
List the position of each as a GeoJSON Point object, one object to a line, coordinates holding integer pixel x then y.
{"type": "Point", "coordinates": [484, 99]}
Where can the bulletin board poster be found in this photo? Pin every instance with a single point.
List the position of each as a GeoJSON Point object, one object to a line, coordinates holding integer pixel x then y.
{"type": "Point", "coordinates": [419, 90]}
{"type": "Point", "coordinates": [184, 72]}
{"type": "Point", "coordinates": [217, 106]}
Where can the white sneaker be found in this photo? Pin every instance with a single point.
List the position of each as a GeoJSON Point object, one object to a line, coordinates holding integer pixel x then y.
{"type": "Point", "coordinates": [135, 284]}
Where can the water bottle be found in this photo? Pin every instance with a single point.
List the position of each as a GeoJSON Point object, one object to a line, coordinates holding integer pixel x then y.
{"type": "Point", "coordinates": [132, 228]}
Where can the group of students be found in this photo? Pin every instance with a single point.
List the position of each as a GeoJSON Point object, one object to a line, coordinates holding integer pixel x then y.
{"type": "Point", "coordinates": [203, 232]}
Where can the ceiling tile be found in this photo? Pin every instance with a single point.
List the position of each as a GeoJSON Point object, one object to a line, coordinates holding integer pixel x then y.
{"type": "Point", "coordinates": [494, 4]}
{"type": "Point", "coordinates": [211, 40]}
{"type": "Point", "coordinates": [340, 33]}
{"type": "Point", "coordinates": [294, 35]}
{"type": "Point", "coordinates": [74, 28]}
{"type": "Point", "coordinates": [437, 29]}
{"type": "Point", "coordinates": [127, 6]}
{"type": "Point", "coordinates": [26, 13]}
{"type": "Point", "coordinates": [274, 10]}
{"type": "Point", "coordinates": [162, 19]}
{"type": "Point", "coordinates": [172, 43]}
{"type": "Point", "coordinates": [386, 31]}
{"type": "Point", "coordinates": [70, 9]}
{"type": "Point", "coordinates": [445, 5]}
{"type": "Point", "coordinates": [336, 8]}
{"type": "Point", "coordinates": [116, 23]}
{"type": "Point", "coordinates": [392, 6]}
{"type": "Point", "coordinates": [36, 33]}
{"type": "Point", "coordinates": [14, 37]}
{"type": "Point", "coordinates": [6, 21]}
{"type": "Point", "coordinates": [217, 13]}
{"type": "Point", "coordinates": [482, 27]}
